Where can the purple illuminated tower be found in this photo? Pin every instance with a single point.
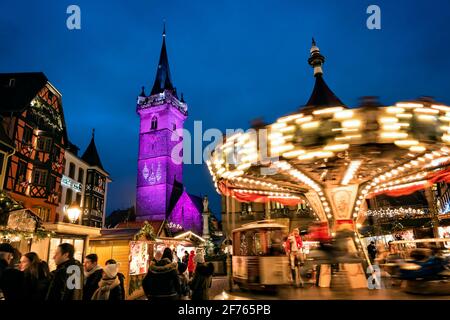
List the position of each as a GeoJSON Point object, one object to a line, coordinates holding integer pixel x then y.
{"type": "Point", "coordinates": [161, 113]}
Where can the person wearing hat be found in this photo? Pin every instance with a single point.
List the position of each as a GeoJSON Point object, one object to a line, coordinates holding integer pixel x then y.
{"type": "Point", "coordinates": [109, 286]}
{"type": "Point", "coordinates": [11, 280]}
{"type": "Point", "coordinates": [202, 279]}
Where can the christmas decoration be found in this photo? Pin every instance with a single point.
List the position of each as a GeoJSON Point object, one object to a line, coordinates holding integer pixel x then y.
{"type": "Point", "coordinates": [146, 233]}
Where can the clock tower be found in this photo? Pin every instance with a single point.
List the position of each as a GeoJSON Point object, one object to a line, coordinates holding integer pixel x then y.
{"type": "Point", "coordinates": [161, 114]}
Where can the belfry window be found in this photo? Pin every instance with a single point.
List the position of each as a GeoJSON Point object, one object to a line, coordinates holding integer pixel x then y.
{"type": "Point", "coordinates": [154, 123]}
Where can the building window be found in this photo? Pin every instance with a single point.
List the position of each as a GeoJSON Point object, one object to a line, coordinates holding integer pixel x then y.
{"type": "Point", "coordinates": [44, 144]}
{"type": "Point", "coordinates": [43, 213]}
{"type": "Point", "coordinates": [80, 175]}
{"type": "Point", "coordinates": [55, 154]}
{"type": "Point", "coordinates": [27, 135]}
{"type": "Point", "coordinates": [246, 207]}
{"type": "Point", "coordinates": [40, 177]}
{"type": "Point", "coordinates": [2, 157]}
{"type": "Point", "coordinates": [12, 82]}
{"type": "Point", "coordinates": [52, 183]}
{"type": "Point", "coordinates": [72, 170]}
{"type": "Point", "coordinates": [174, 126]}
{"type": "Point", "coordinates": [154, 123]}
{"type": "Point", "coordinates": [69, 197]}
{"type": "Point", "coordinates": [78, 199]}
{"type": "Point", "coordinates": [21, 171]}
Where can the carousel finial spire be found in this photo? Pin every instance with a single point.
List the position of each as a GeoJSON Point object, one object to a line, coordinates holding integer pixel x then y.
{"type": "Point", "coordinates": [316, 60]}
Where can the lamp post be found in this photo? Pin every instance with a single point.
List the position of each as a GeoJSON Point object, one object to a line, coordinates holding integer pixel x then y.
{"type": "Point", "coordinates": [73, 212]}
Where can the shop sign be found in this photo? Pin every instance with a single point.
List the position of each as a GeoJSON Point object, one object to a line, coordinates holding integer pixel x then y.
{"type": "Point", "coordinates": [71, 184]}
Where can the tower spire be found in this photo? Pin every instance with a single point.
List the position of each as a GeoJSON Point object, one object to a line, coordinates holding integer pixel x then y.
{"type": "Point", "coordinates": [322, 96]}
{"type": "Point", "coordinates": [316, 60]}
{"type": "Point", "coordinates": [163, 80]}
{"type": "Point", "coordinates": [93, 133]}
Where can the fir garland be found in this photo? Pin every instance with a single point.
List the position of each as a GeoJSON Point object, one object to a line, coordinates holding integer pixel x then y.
{"type": "Point", "coordinates": [38, 234]}
{"type": "Point", "coordinates": [147, 232]}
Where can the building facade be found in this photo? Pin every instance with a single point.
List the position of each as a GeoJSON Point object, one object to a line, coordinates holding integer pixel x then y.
{"type": "Point", "coordinates": [33, 119]}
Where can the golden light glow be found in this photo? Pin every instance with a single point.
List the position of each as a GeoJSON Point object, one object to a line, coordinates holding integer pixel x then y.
{"type": "Point", "coordinates": [310, 125]}
{"type": "Point", "coordinates": [417, 149]}
{"type": "Point", "coordinates": [351, 170]}
{"type": "Point", "coordinates": [293, 153]}
{"type": "Point", "coordinates": [345, 114]}
{"type": "Point", "coordinates": [409, 105]}
{"type": "Point", "coordinates": [405, 115]}
{"type": "Point", "coordinates": [395, 110]}
{"type": "Point", "coordinates": [337, 147]}
{"type": "Point", "coordinates": [290, 118]}
{"type": "Point", "coordinates": [441, 107]}
{"type": "Point", "coordinates": [328, 110]}
{"type": "Point", "coordinates": [304, 119]}
{"type": "Point", "coordinates": [393, 135]}
{"type": "Point", "coordinates": [354, 123]}
{"type": "Point", "coordinates": [406, 143]}
{"type": "Point", "coordinates": [426, 110]}
{"type": "Point", "coordinates": [388, 120]}
{"type": "Point", "coordinates": [426, 117]}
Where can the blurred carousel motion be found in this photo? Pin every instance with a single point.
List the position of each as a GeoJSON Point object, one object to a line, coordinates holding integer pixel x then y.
{"type": "Point", "coordinates": [334, 157]}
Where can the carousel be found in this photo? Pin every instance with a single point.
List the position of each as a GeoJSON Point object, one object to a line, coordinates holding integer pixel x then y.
{"type": "Point", "coordinates": [335, 157]}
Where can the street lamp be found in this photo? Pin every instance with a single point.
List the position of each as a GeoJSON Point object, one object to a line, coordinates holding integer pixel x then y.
{"type": "Point", "coordinates": [73, 212]}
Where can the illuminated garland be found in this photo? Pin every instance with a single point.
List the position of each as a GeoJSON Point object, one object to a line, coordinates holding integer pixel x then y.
{"type": "Point", "coordinates": [17, 235]}
{"type": "Point", "coordinates": [389, 212]}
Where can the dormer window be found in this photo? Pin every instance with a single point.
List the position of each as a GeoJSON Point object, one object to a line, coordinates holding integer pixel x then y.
{"type": "Point", "coordinates": [154, 123]}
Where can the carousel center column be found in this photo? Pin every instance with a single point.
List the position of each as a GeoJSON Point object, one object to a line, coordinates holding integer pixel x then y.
{"type": "Point", "coordinates": [342, 200]}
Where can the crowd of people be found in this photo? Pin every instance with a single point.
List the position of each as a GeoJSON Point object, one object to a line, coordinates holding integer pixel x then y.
{"type": "Point", "coordinates": [168, 277]}
{"type": "Point", "coordinates": [171, 278]}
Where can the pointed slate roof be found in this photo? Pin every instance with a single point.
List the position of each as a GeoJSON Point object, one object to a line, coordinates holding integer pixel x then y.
{"type": "Point", "coordinates": [321, 96]}
{"type": "Point", "coordinates": [91, 155]}
{"type": "Point", "coordinates": [163, 80]}
{"type": "Point", "coordinates": [177, 192]}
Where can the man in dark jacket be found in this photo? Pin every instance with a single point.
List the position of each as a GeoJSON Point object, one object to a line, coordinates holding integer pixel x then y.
{"type": "Point", "coordinates": [11, 280]}
{"type": "Point", "coordinates": [372, 251]}
{"type": "Point", "coordinates": [67, 279]}
{"type": "Point", "coordinates": [161, 281]}
{"type": "Point", "coordinates": [92, 275]}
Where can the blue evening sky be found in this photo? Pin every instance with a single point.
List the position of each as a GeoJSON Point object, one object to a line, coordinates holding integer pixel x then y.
{"type": "Point", "coordinates": [233, 60]}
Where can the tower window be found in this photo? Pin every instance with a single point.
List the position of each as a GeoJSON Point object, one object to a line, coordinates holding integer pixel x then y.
{"type": "Point", "coordinates": [174, 126]}
{"type": "Point", "coordinates": [154, 123]}
{"type": "Point", "coordinates": [12, 82]}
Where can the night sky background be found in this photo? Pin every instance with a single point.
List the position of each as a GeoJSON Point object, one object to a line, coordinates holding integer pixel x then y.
{"type": "Point", "coordinates": [233, 60]}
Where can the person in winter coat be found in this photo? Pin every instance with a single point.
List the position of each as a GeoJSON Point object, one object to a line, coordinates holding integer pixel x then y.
{"type": "Point", "coordinates": [161, 281]}
{"type": "Point", "coordinates": [372, 251]}
{"type": "Point", "coordinates": [36, 276]}
{"type": "Point", "coordinates": [185, 259]}
{"type": "Point", "coordinates": [109, 285]}
{"type": "Point", "coordinates": [202, 280]}
{"type": "Point", "coordinates": [11, 280]}
{"type": "Point", "coordinates": [119, 275]}
{"type": "Point", "coordinates": [184, 281]}
{"type": "Point", "coordinates": [191, 263]}
{"type": "Point", "coordinates": [61, 287]}
{"type": "Point", "coordinates": [92, 275]}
